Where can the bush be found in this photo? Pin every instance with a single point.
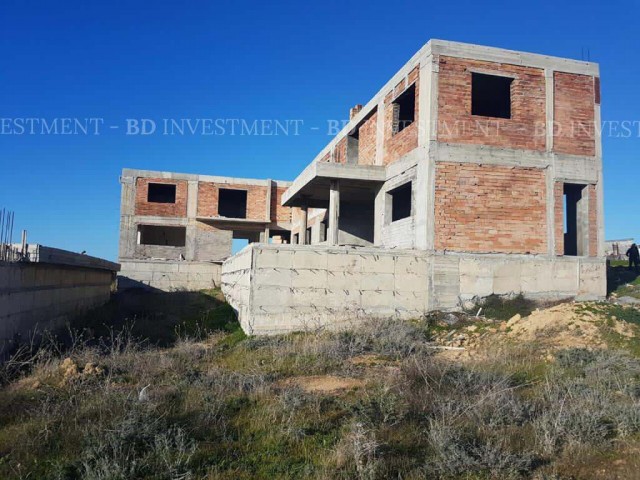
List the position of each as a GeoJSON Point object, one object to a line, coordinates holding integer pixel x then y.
{"type": "Point", "coordinates": [503, 308]}
{"type": "Point", "coordinates": [137, 446]}
{"type": "Point", "coordinates": [588, 400]}
{"type": "Point", "coordinates": [460, 450]}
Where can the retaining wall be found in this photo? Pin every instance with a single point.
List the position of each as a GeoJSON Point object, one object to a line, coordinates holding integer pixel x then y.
{"type": "Point", "coordinates": [284, 288]}
{"type": "Point", "coordinates": [39, 296]}
{"type": "Point", "coordinates": [169, 276]}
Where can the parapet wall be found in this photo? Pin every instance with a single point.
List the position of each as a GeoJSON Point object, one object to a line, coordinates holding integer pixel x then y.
{"type": "Point", "coordinates": [284, 288]}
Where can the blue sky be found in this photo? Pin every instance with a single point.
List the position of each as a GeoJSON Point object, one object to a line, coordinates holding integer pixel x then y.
{"type": "Point", "coordinates": [307, 61]}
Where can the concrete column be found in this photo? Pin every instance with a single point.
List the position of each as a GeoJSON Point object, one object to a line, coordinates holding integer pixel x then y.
{"type": "Point", "coordinates": [380, 134]}
{"type": "Point", "coordinates": [550, 174]}
{"type": "Point", "coordinates": [267, 215]}
{"type": "Point", "coordinates": [334, 212]}
{"type": "Point", "coordinates": [302, 238]}
{"type": "Point", "coordinates": [128, 230]}
{"type": "Point", "coordinates": [600, 185]}
{"type": "Point", "coordinates": [192, 213]}
{"type": "Point", "coordinates": [432, 155]}
{"type": "Point", "coordinates": [379, 216]}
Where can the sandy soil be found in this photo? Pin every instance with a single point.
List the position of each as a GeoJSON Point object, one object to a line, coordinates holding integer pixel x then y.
{"type": "Point", "coordinates": [324, 383]}
{"type": "Point", "coordinates": [568, 325]}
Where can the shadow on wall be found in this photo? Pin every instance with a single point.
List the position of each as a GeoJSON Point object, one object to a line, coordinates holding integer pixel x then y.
{"type": "Point", "coordinates": [157, 317]}
{"type": "Point", "coordinates": [146, 317]}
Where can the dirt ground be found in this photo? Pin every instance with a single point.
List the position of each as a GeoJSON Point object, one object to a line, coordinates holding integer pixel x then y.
{"type": "Point", "coordinates": [568, 325]}
{"type": "Point", "coordinates": [323, 383]}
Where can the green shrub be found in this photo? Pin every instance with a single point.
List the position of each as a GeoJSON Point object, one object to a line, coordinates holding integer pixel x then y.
{"type": "Point", "coordinates": [503, 308]}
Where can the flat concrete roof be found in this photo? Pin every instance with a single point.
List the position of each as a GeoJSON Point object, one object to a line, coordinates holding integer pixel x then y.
{"type": "Point", "coordinates": [311, 188]}
{"type": "Point", "coordinates": [132, 172]}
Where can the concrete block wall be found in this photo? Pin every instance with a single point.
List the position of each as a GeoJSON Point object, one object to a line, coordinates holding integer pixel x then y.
{"type": "Point", "coordinates": [534, 276]}
{"type": "Point", "coordinates": [289, 288]}
{"type": "Point", "coordinates": [169, 276]}
{"type": "Point", "coordinates": [400, 233]}
{"type": "Point", "coordinates": [237, 284]}
{"type": "Point", "coordinates": [37, 296]}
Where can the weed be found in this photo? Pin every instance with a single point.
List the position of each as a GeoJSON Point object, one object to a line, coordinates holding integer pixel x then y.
{"type": "Point", "coordinates": [501, 308]}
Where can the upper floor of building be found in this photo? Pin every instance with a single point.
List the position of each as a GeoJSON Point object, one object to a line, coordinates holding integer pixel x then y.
{"type": "Point", "coordinates": [205, 198]}
{"type": "Point", "coordinates": [458, 93]}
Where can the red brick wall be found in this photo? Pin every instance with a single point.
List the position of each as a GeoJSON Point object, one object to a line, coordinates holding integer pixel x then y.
{"type": "Point", "coordinates": [340, 152]}
{"type": "Point", "coordinates": [367, 141]}
{"type": "Point", "coordinates": [593, 221]}
{"type": "Point", "coordinates": [558, 209]}
{"type": "Point", "coordinates": [395, 146]}
{"type": "Point", "coordinates": [279, 213]}
{"type": "Point", "coordinates": [487, 208]}
{"type": "Point", "coordinates": [208, 199]}
{"type": "Point", "coordinates": [573, 104]}
{"type": "Point", "coordinates": [524, 130]}
{"type": "Point", "coordinates": [178, 209]}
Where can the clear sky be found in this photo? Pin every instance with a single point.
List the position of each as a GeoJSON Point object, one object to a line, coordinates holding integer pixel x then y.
{"type": "Point", "coordinates": [302, 61]}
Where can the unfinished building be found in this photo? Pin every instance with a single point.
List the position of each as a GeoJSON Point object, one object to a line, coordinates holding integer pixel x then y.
{"type": "Point", "coordinates": [177, 229]}
{"type": "Point", "coordinates": [473, 171]}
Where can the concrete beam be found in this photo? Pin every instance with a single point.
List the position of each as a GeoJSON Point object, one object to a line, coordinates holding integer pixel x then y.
{"type": "Point", "coordinates": [487, 155]}
{"type": "Point", "coordinates": [512, 57]}
{"type": "Point", "coordinates": [134, 173]}
{"type": "Point", "coordinates": [337, 171]}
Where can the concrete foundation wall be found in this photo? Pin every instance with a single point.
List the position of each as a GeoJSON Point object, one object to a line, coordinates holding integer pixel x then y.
{"type": "Point", "coordinates": [288, 288]}
{"type": "Point", "coordinates": [292, 288]}
{"type": "Point", "coordinates": [169, 276]}
{"type": "Point", "coordinates": [237, 284]}
{"type": "Point", "coordinates": [43, 296]}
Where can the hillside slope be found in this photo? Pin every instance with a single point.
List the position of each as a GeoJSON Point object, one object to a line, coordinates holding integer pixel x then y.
{"type": "Point", "coordinates": [551, 393]}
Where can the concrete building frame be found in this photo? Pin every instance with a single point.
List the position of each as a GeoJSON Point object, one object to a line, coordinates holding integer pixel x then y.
{"type": "Point", "coordinates": [205, 236]}
{"type": "Point", "coordinates": [487, 207]}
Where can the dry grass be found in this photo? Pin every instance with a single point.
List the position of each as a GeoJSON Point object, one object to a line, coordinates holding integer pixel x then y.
{"type": "Point", "coordinates": [213, 404]}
